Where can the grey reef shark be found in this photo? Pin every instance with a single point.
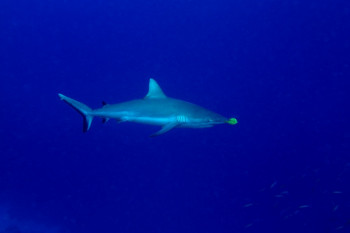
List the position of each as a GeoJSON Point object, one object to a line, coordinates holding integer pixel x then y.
{"type": "Point", "coordinates": [155, 109]}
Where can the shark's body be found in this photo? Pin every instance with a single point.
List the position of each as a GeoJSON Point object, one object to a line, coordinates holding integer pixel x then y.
{"type": "Point", "coordinates": [156, 109]}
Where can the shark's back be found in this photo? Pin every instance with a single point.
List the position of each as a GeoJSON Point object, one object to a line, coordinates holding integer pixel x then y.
{"type": "Point", "coordinates": [157, 107]}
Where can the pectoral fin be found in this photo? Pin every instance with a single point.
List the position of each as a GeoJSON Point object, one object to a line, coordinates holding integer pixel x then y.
{"type": "Point", "coordinates": [165, 129]}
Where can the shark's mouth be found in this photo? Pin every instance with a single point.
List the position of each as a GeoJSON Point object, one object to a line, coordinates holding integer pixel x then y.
{"type": "Point", "coordinates": [195, 126]}
{"type": "Point", "coordinates": [200, 124]}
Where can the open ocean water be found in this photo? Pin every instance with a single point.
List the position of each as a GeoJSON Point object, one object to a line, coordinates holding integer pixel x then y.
{"type": "Point", "coordinates": [282, 68]}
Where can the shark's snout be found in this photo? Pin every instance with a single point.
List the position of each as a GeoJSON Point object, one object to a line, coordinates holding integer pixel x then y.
{"type": "Point", "coordinates": [217, 119]}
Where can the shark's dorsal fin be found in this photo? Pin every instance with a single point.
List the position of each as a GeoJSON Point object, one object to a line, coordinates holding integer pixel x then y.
{"type": "Point", "coordinates": [154, 90]}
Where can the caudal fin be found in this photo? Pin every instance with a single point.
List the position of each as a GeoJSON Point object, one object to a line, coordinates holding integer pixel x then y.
{"type": "Point", "coordinates": [82, 109]}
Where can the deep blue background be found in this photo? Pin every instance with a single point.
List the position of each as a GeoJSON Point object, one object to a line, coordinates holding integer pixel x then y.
{"type": "Point", "coordinates": [280, 67]}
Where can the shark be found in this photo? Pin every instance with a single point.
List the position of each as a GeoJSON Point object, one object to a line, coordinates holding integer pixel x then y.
{"type": "Point", "coordinates": [155, 109]}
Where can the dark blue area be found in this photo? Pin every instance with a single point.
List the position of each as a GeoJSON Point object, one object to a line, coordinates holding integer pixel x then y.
{"type": "Point", "coordinates": [280, 67]}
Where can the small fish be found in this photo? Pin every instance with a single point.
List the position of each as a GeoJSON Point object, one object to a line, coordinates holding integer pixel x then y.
{"type": "Point", "coordinates": [248, 205]}
{"type": "Point", "coordinates": [339, 228]}
{"type": "Point", "coordinates": [335, 208]}
{"type": "Point", "coordinates": [337, 192]}
{"type": "Point", "coordinates": [273, 185]}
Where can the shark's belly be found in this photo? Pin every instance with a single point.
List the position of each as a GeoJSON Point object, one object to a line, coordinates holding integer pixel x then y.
{"type": "Point", "coordinates": [150, 120]}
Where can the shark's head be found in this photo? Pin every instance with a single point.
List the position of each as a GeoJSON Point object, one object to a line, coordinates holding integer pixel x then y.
{"type": "Point", "coordinates": [186, 114]}
{"type": "Point", "coordinates": [213, 119]}
{"type": "Point", "coordinates": [200, 120]}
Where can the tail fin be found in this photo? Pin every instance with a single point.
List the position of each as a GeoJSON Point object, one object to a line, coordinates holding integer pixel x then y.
{"type": "Point", "coordinates": [82, 109]}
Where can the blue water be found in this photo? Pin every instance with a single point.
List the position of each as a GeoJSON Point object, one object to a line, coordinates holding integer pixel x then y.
{"type": "Point", "coordinates": [280, 67]}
